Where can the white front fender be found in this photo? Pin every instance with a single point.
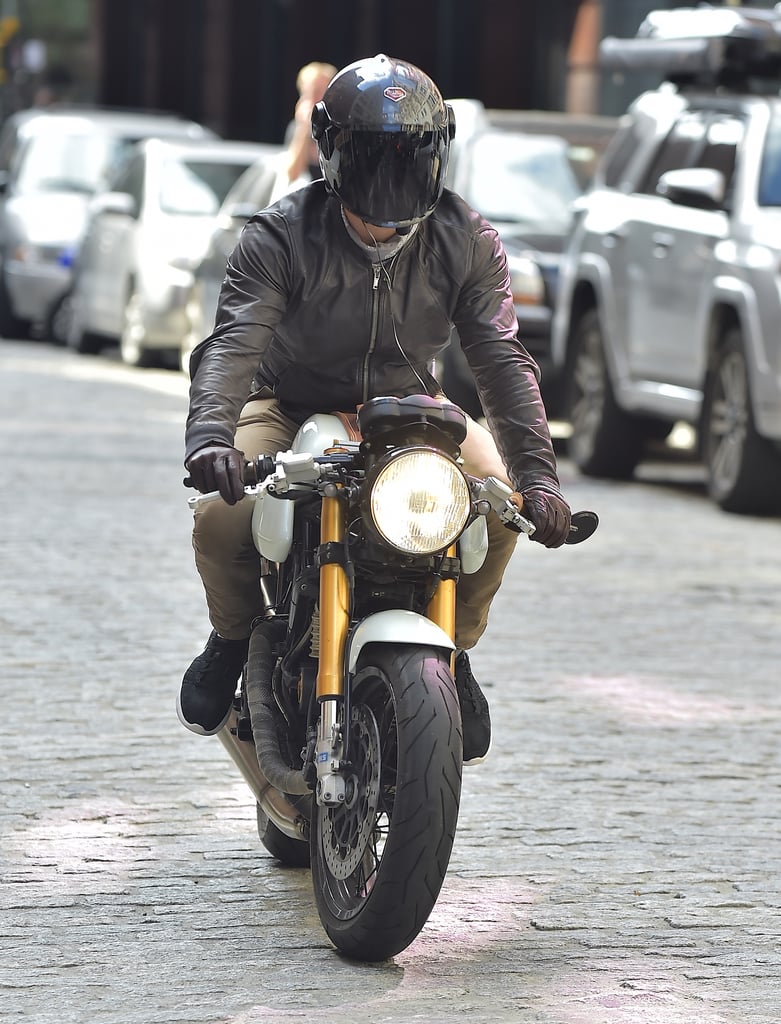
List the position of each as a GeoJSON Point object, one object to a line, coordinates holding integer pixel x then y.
{"type": "Point", "coordinates": [396, 626]}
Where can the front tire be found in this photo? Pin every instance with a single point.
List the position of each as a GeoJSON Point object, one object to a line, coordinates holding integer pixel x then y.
{"type": "Point", "coordinates": [605, 441]}
{"type": "Point", "coordinates": [131, 341]}
{"type": "Point", "coordinates": [59, 320]}
{"type": "Point", "coordinates": [78, 338]}
{"type": "Point", "coordinates": [743, 468]}
{"type": "Point", "coordinates": [11, 326]}
{"type": "Point", "coordinates": [379, 860]}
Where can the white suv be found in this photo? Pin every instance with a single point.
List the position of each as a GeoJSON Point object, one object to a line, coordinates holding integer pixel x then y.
{"type": "Point", "coordinates": [669, 303]}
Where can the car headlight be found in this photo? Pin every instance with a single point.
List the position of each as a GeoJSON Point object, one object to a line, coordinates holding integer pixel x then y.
{"type": "Point", "coordinates": [419, 501]}
{"type": "Point", "coordinates": [526, 281]}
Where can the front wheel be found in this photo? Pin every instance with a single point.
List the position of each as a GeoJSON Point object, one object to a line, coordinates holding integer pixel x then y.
{"type": "Point", "coordinates": [59, 320]}
{"type": "Point", "coordinates": [11, 326]}
{"type": "Point", "coordinates": [743, 468]}
{"type": "Point", "coordinates": [132, 348]}
{"type": "Point", "coordinates": [604, 441]}
{"type": "Point", "coordinates": [379, 859]}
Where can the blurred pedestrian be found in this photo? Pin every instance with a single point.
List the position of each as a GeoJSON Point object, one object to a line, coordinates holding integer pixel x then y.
{"type": "Point", "coordinates": [299, 164]}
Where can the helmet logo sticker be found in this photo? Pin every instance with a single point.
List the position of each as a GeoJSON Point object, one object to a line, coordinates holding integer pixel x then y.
{"type": "Point", "coordinates": [395, 93]}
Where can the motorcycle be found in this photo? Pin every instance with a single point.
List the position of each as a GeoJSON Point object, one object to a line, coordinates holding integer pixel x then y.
{"type": "Point", "coordinates": [346, 724]}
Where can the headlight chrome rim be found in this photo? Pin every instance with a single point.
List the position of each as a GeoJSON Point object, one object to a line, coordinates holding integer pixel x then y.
{"type": "Point", "coordinates": [418, 501]}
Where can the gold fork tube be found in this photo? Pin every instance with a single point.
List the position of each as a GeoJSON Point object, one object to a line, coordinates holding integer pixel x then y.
{"type": "Point", "coordinates": [334, 606]}
{"type": "Point", "coordinates": [442, 606]}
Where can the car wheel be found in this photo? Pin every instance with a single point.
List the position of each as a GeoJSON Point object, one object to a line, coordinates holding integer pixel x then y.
{"type": "Point", "coordinates": [58, 323]}
{"type": "Point", "coordinates": [743, 469]}
{"type": "Point", "coordinates": [604, 440]}
{"type": "Point", "coordinates": [11, 327]}
{"type": "Point", "coordinates": [131, 340]}
{"type": "Point", "coordinates": [78, 338]}
{"type": "Point", "coordinates": [193, 335]}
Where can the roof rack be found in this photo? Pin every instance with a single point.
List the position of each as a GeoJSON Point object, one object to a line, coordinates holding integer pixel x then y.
{"type": "Point", "coordinates": [734, 47]}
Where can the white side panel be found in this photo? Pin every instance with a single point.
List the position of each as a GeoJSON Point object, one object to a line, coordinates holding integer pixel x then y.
{"type": "Point", "coordinates": [473, 545]}
{"type": "Point", "coordinates": [272, 518]}
{"type": "Point", "coordinates": [272, 527]}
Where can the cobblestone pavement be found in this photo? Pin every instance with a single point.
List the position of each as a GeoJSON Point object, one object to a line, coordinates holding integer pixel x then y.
{"type": "Point", "coordinates": [618, 855]}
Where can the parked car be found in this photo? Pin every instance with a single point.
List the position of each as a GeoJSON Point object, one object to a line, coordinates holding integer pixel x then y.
{"type": "Point", "coordinates": [251, 192]}
{"type": "Point", "coordinates": [669, 302]}
{"type": "Point", "coordinates": [51, 162]}
{"type": "Point", "coordinates": [523, 171]}
{"type": "Point", "coordinates": [146, 233]}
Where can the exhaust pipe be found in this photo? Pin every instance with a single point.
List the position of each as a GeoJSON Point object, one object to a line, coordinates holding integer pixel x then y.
{"type": "Point", "coordinates": [274, 804]}
{"type": "Point", "coordinates": [262, 712]}
{"type": "Point", "coordinates": [272, 784]}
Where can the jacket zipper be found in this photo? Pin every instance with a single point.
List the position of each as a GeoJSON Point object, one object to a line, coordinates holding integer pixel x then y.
{"type": "Point", "coordinates": [373, 332]}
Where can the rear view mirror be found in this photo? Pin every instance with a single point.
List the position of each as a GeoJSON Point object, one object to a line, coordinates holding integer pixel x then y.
{"type": "Point", "coordinates": [121, 203]}
{"type": "Point", "coordinates": [700, 187]}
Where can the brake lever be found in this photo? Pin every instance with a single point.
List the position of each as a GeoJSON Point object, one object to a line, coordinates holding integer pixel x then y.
{"type": "Point", "coordinates": [582, 526]}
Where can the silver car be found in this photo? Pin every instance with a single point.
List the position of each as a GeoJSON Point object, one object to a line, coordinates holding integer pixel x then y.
{"type": "Point", "coordinates": [669, 305]}
{"type": "Point", "coordinates": [146, 234]}
{"type": "Point", "coordinates": [251, 193]}
{"type": "Point", "coordinates": [51, 163]}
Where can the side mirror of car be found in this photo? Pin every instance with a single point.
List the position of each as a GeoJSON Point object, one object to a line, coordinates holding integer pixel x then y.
{"type": "Point", "coordinates": [700, 187]}
{"type": "Point", "coordinates": [240, 211]}
{"type": "Point", "coordinates": [121, 203]}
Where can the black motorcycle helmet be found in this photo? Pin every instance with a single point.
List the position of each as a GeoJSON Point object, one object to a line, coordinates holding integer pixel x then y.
{"type": "Point", "coordinates": [383, 136]}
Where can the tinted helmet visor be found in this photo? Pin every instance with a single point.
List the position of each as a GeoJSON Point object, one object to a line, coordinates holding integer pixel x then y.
{"type": "Point", "coordinates": [388, 178]}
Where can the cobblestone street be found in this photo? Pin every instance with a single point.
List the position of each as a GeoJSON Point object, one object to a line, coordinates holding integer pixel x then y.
{"type": "Point", "coordinates": [618, 858]}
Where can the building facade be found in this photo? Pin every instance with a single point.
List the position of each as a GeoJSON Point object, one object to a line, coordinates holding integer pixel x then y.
{"type": "Point", "coordinates": [232, 64]}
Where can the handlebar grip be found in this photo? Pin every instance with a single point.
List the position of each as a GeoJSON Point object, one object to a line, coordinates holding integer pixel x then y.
{"type": "Point", "coordinates": [254, 471]}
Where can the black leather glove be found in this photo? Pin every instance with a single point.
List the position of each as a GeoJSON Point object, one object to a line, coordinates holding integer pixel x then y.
{"type": "Point", "coordinates": [550, 514]}
{"type": "Point", "coordinates": [218, 468]}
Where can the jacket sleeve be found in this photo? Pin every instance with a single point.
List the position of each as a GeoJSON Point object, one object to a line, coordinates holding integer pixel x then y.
{"type": "Point", "coordinates": [507, 377]}
{"type": "Point", "coordinates": [252, 301]}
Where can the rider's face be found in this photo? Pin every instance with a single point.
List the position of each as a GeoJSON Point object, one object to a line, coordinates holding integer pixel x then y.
{"type": "Point", "coordinates": [368, 233]}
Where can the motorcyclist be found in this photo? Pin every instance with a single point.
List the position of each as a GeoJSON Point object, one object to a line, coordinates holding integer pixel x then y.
{"type": "Point", "coordinates": [342, 291]}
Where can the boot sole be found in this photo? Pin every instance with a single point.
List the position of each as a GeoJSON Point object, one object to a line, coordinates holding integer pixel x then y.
{"type": "Point", "coordinates": [193, 726]}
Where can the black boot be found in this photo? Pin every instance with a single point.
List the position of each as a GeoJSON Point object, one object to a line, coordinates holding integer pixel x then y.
{"type": "Point", "coordinates": [475, 716]}
{"type": "Point", "coordinates": [209, 684]}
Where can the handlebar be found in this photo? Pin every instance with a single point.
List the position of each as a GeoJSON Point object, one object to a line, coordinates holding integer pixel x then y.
{"type": "Point", "coordinates": [492, 491]}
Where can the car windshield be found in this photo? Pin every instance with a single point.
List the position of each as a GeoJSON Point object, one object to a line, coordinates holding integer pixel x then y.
{"type": "Point", "coordinates": [769, 193]}
{"type": "Point", "coordinates": [59, 162]}
{"type": "Point", "coordinates": [197, 187]}
{"type": "Point", "coordinates": [522, 179]}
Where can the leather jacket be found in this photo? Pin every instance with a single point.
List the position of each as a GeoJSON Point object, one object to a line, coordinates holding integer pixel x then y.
{"type": "Point", "coordinates": [305, 314]}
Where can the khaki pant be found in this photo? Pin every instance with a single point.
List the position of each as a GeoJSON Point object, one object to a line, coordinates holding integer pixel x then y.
{"type": "Point", "coordinates": [227, 559]}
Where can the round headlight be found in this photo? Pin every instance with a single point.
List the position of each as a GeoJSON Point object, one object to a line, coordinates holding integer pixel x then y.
{"type": "Point", "coordinates": [419, 502]}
